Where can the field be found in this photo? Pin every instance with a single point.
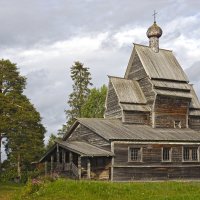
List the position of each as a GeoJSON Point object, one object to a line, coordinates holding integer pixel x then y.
{"type": "Point", "coordinates": [91, 190]}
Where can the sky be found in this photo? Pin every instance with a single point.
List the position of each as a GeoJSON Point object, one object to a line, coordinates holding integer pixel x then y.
{"type": "Point", "coordinates": [46, 37]}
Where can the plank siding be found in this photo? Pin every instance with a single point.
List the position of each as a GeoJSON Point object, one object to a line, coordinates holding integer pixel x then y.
{"type": "Point", "coordinates": [112, 105]}
{"type": "Point", "coordinates": [155, 173]}
{"type": "Point", "coordinates": [82, 133]}
{"type": "Point", "coordinates": [136, 71]}
{"type": "Point", "coordinates": [151, 166]}
{"type": "Point", "coordinates": [136, 117]}
{"type": "Point", "coordinates": [146, 87]}
{"type": "Point", "coordinates": [169, 109]}
{"type": "Point", "coordinates": [194, 122]}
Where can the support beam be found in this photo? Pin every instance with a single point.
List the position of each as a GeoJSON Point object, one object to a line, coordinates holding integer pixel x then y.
{"type": "Point", "coordinates": [52, 159]}
{"type": "Point", "coordinates": [45, 168]}
{"type": "Point", "coordinates": [58, 155]}
{"type": "Point", "coordinates": [88, 168]}
{"type": "Point", "coordinates": [63, 158]}
{"type": "Point", "coordinates": [70, 161]}
{"type": "Point", "coordinates": [79, 167]}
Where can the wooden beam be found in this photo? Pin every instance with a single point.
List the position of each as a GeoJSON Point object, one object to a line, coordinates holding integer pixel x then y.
{"type": "Point", "coordinates": [52, 159]}
{"type": "Point", "coordinates": [45, 168]}
{"type": "Point", "coordinates": [58, 155]}
{"type": "Point", "coordinates": [63, 158]}
{"type": "Point", "coordinates": [88, 168]}
{"type": "Point", "coordinates": [79, 167]}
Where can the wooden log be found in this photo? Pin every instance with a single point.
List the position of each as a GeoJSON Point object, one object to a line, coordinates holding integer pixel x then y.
{"type": "Point", "coordinates": [79, 167]}
{"type": "Point", "coordinates": [88, 169]}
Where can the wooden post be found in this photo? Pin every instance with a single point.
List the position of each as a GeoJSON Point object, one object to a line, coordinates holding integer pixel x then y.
{"type": "Point", "coordinates": [112, 162]}
{"type": "Point", "coordinates": [88, 168]}
{"type": "Point", "coordinates": [70, 161]}
{"type": "Point", "coordinates": [45, 168]}
{"type": "Point", "coordinates": [63, 158]}
{"type": "Point", "coordinates": [58, 156]}
{"type": "Point", "coordinates": [79, 167]}
{"type": "Point", "coordinates": [52, 159]}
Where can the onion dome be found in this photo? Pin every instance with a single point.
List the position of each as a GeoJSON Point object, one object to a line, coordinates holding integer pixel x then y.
{"type": "Point", "coordinates": [154, 31]}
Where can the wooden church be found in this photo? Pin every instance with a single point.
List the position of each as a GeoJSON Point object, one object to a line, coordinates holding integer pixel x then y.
{"type": "Point", "coordinates": [151, 127]}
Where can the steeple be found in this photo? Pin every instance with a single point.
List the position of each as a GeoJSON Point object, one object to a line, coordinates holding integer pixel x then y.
{"type": "Point", "coordinates": [153, 33]}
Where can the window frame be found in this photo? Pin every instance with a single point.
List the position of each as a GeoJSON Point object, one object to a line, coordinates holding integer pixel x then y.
{"type": "Point", "coordinates": [140, 154]}
{"type": "Point", "coordinates": [190, 153]}
{"type": "Point", "coordinates": [170, 154]}
{"type": "Point", "coordinates": [177, 123]}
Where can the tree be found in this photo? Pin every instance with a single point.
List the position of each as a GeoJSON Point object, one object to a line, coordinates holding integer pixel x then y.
{"type": "Point", "coordinates": [19, 120]}
{"type": "Point", "coordinates": [51, 141]}
{"type": "Point", "coordinates": [82, 80]}
{"type": "Point", "coordinates": [94, 107]}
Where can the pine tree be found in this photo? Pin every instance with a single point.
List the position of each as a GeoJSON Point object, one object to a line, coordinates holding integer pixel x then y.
{"type": "Point", "coordinates": [19, 120]}
{"type": "Point", "coordinates": [82, 80]}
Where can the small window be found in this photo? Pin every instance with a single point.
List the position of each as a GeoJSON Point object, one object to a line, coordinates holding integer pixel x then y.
{"type": "Point", "coordinates": [166, 154]}
{"type": "Point", "coordinates": [190, 154]}
{"type": "Point", "coordinates": [177, 124]}
{"type": "Point", "coordinates": [135, 154]}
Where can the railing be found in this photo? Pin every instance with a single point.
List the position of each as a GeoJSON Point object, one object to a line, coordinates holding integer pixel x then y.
{"type": "Point", "coordinates": [74, 169]}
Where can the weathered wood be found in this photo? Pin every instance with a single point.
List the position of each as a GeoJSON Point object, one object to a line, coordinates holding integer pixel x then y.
{"type": "Point", "coordinates": [45, 168]}
{"type": "Point", "coordinates": [79, 167]}
{"type": "Point", "coordinates": [52, 160]}
{"type": "Point", "coordinates": [88, 169]}
{"type": "Point", "coordinates": [82, 133]}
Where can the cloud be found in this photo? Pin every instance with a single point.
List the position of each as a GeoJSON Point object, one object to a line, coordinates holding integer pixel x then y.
{"type": "Point", "coordinates": [45, 37]}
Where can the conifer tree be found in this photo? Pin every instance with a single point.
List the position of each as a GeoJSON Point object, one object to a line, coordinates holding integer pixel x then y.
{"type": "Point", "coordinates": [81, 81]}
{"type": "Point", "coordinates": [19, 121]}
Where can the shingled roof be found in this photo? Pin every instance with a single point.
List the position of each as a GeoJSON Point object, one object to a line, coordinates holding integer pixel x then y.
{"type": "Point", "coordinates": [161, 65]}
{"type": "Point", "coordinates": [114, 129]}
{"type": "Point", "coordinates": [128, 91]}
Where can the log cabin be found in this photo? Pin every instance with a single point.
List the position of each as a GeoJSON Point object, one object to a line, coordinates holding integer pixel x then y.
{"type": "Point", "coordinates": [150, 129]}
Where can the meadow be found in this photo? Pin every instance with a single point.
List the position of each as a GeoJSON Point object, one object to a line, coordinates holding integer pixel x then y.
{"type": "Point", "coordinates": [96, 190]}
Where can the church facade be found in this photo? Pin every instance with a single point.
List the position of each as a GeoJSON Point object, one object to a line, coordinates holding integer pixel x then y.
{"type": "Point", "coordinates": [150, 130]}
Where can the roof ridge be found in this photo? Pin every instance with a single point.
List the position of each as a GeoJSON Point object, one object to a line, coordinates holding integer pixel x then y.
{"type": "Point", "coordinates": [149, 47]}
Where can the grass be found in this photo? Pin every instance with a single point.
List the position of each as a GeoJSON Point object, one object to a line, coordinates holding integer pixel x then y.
{"type": "Point", "coordinates": [91, 190]}
{"type": "Point", "coordinates": [8, 191]}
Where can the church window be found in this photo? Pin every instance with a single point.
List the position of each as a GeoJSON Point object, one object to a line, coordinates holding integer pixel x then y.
{"type": "Point", "coordinates": [190, 154]}
{"type": "Point", "coordinates": [135, 154]}
{"type": "Point", "coordinates": [166, 154]}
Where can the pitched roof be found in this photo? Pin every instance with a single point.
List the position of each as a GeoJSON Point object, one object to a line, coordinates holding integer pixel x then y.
{"type": "Point", "coordinates": [161, 65]}
{"type": "Point", "coordinates": [128, 91]}
{"type": "Point", "coordinates": [114, 129]}
{"type": "Point", "coordinates": [83, 148]}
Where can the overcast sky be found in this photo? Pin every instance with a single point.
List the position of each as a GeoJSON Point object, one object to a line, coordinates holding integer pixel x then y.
{"type": "Point", "coordinates": [45, 37]}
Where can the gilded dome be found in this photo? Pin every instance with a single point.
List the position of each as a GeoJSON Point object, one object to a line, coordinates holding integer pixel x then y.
{"type": "Point", "coordinates": [154, 31]}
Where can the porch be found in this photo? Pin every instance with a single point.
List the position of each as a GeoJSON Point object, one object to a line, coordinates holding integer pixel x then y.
{"type": "Point", "coordinates": [78, 160]}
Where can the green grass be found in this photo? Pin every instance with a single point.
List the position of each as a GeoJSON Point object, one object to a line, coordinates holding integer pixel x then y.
{"type": "Point", "coordinates": [8, 191]}
{"type": "Point", "coordinates": [91, 190]}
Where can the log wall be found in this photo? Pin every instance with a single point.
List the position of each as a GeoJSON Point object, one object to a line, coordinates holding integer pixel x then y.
{"type": "Point", "coordinates": [112, 105]}
{"type": "Point", "coordinates": [151, 165]}
{"type": "Point", "coordinates": [82, 133]}
{"type": "Point", "coordinates": [169, 109]}
{"type": "Point", "coordinates": [136, 117]}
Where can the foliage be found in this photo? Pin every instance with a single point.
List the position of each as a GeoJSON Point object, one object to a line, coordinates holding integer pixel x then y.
{"type": "Point", "coordinates": [94, 106]}
{"type": "Point", "coordinates": [89, 190]}
{"type": "Point", "coordinates": [10, 175]}
{"type": "Point", "coordinates": [19, 120]}
{"type": "Point", "coordinates": [81, 78]}
{"type": "Point", "coordinates": [51, 141]}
